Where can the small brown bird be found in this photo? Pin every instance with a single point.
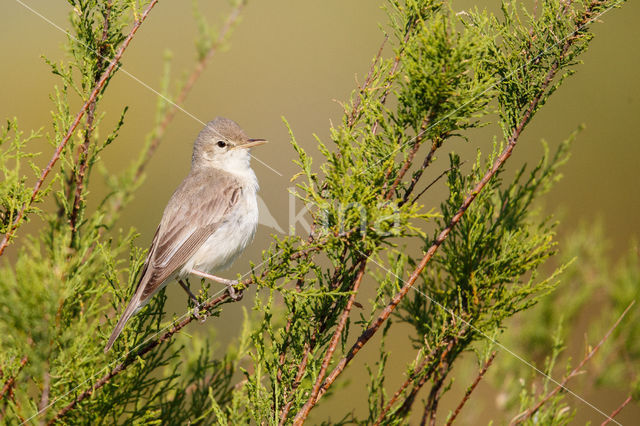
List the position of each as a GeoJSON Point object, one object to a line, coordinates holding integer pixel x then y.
{"type": "Point", "coordinates": [209, 220]}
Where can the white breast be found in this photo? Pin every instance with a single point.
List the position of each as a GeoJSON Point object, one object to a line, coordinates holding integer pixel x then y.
{"type": "Point", "coordinates": [230, 239]}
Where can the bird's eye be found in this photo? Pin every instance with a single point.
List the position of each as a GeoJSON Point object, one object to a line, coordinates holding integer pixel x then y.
{"type": "Point", "coordinates": [221, 144]}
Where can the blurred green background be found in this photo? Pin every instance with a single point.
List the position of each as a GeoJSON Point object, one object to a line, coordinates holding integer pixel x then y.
{"type": "Point", "coordinates": [297, 59]}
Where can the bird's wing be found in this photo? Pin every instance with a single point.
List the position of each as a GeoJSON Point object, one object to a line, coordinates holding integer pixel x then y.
{"type": "Point", "coordinates": [194, 212]}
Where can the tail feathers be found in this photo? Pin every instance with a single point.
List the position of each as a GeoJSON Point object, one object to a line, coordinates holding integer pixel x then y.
{"type": "Point", "coordinates": [131, 309]}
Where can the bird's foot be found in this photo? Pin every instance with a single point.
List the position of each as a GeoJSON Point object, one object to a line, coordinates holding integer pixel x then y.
{"type": "Point", "coordinates": [235, 294]}
{"type": "Point", "coordinates": [202, 317]}
{"type": "Point", "coordinates": [196, 312]}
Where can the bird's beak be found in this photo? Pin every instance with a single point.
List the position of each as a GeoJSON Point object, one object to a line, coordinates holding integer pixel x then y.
{"type": "Point", "coordinates": [252, 142]}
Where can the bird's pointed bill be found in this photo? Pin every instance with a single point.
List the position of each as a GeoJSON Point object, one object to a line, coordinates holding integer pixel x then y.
{"type": "Point", "coordinates": [252, 142]}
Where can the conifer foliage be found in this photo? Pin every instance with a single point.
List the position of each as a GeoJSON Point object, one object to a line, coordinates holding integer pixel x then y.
{"type": "Point", "coordinates": [383, 254]}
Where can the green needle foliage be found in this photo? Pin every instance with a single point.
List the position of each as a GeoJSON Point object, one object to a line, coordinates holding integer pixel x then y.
{"type": "Point", "coordinates": [462, 274]}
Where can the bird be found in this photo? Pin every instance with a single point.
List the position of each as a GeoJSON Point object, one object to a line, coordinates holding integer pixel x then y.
{"type": "Point", "coordinates": [209, 220]}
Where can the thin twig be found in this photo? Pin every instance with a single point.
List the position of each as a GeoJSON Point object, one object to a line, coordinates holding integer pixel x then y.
{"type": "Point", "coordinates": [132, 357]}
{"type": "Point", "coordinates": [304, 411]}
{"type": "Point", "coordinates": [56, 155]}
{"type": "Point", "coordinates": [298, 286]}
{"type": "Point", "coordinates": [208, 306]}
{"type": "Point", "coordinates": [531, 411]}
{"type": "Point", "coordinates": [287, 329]}
{"type": "Point", "coordinates": [617, 411]}
{"type": "Point", "coordinates": [303, 364]}
{"type": "Point", "coordinates": [7, 389]}
{"type": "Point", "coordinates": [409, 160]}
{"type": "Point", "coordinates": [471, 388]}
{"type": "Point", "coordinates": [394, 71]}
{"type": "Point", "coordinates": [429, 413]}
{"type": "Point", "coordinates": [301, 370]}
{"type": "Point", "coordinates": [419, 372]}
{"type": "Point", "coordinates": [440, 369]}
{"type": "Point", "coordinates": [433, 182]}
{"type": "Point", "coordinates": [311, 344]}
{"type": "Point", "coordinates": [355, 112]}
{"type": "Point", "coordinates": [82, 160]}
{"type": "Point", "coordinates": [416, 373]}
{"type": "Point", "coordinates": [418, 175]}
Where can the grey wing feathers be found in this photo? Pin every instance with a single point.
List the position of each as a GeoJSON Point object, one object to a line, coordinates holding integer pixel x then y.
{"type": "Point", "coordinates": [194, 212]}
{"type": "Point", "coordinates": [196, 209]}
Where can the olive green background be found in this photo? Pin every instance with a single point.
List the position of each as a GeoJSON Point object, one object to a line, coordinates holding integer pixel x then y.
{"type": "Point", "coordinates": [297, 59]}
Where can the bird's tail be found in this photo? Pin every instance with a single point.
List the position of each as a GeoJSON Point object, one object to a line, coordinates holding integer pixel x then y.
{"type": "Point", "coordinates": [133, 306]}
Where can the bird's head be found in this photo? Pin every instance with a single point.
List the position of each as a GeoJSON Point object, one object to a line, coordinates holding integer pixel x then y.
{"type": "Point", "coordinates": [223, 144]}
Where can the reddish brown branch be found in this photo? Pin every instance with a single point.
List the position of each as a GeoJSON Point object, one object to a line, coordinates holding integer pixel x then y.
{"type": "Point", "coordinates": [166, 336]}
{"type": "Point", "coordinates": [355, 112]}
{"type": "Point", "coordinates": [429, 413]}
{"type": "Point", "coordinates": [562, 385]}
{"type": "Point", "coordinates": [132, 357]}
{"type": "Point", "coordinates": [82, 160]}
{"type": "Point", "coordinates": [56, 155]}
{"type": "Point", "coordinates": [419, 372]}
{"type": "Point", "coordinates": [303, 364]}
{"type": "Point", "coordinates": [7, 389]}
{"type": "Point", "coordinates": [394, 69]}
{"type": "Point", "coordinates": [405, 408]}
{"type": "Point", "coordinates": [418, 175]}
{"type": "Point", "coordinates": [469, 391]}
{"type": "Point", "coordinates": [304, 411]}
{"type": "Point", "coordinates": [301, 370]}
{"type": "Point", "coordinates": [367, 334]}
{"type": "Point", "coordinates": [412, 377]}
{"type": "Point", "coordinates": [408, 161]}
{"type": "Point", "coordinates": [393, 72]}
{"type": "Point", "coordinates": [433, 182]}
{"type": "Point", "coordinates": [617, 411]}
{"type": "Point", "coordinates": [441, 370]}
{"type": "Point", "coordinates": [81, 164]}
{"type": "Point", "coordinates": [299, 282]}
{"type": "Point", "coordinates": [287, 329]}
{"type": "Point", "coordinates": [502, 158]}
{"type": "Point", "coordinates": [311, 344]}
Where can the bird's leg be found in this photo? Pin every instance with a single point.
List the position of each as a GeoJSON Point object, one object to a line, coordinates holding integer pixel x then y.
{"type": "Point", "coordinates": [198, 305]}
{"type": "Point", "coordinates": [231, 284]}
